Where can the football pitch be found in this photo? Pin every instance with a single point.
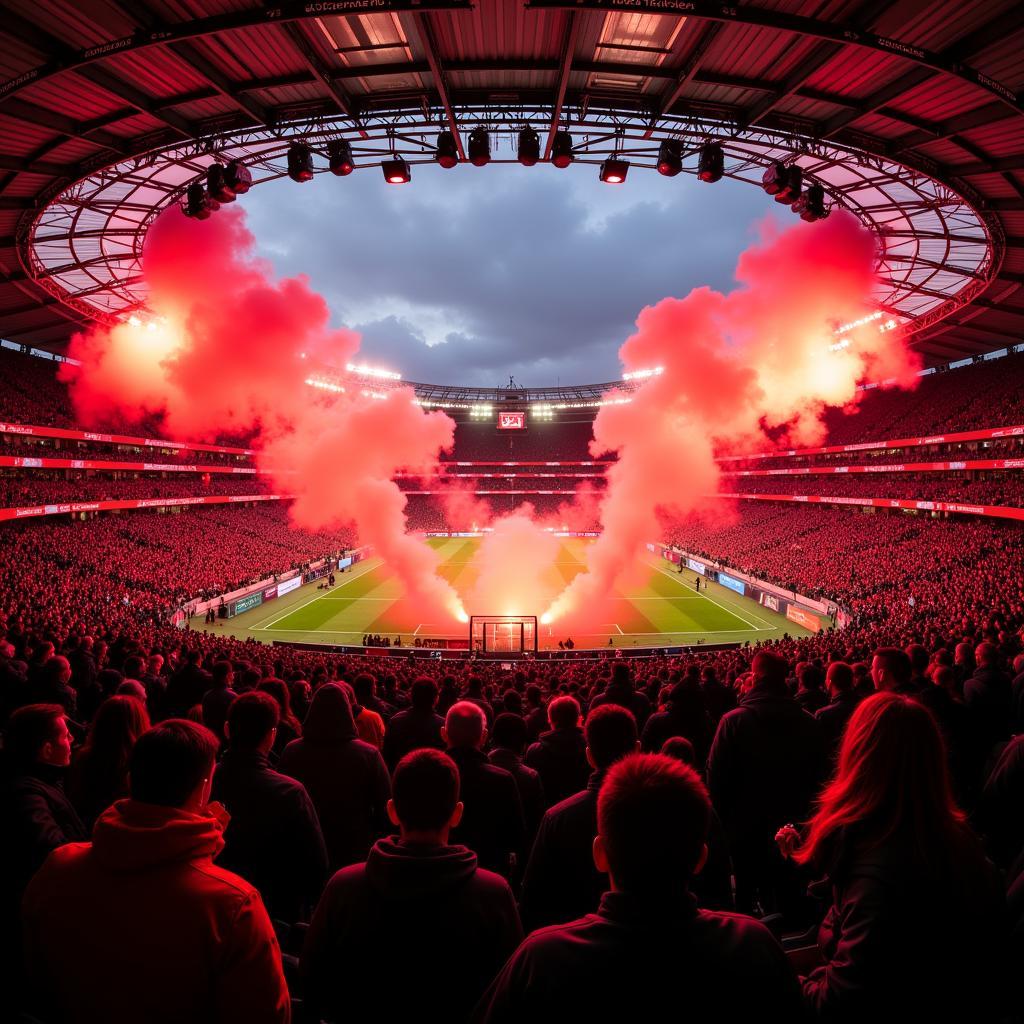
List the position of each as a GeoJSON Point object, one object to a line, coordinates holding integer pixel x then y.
{"type": "Point", "coordinates": [663, 610]}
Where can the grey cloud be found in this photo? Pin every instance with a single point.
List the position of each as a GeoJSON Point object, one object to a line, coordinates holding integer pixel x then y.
{"type": "Point", "coordinates": [536, 274]}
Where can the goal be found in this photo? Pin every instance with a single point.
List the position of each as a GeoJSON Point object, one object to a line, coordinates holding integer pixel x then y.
{"type": "Point", "coordinates": [502, 634]}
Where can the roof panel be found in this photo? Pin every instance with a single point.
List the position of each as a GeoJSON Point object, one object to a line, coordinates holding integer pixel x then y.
{"type": "Point", "coordinates": [497, 31]}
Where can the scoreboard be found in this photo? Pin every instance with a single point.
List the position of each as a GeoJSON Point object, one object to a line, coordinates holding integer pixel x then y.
{"type": "Point", "coordinates": [511, 420]}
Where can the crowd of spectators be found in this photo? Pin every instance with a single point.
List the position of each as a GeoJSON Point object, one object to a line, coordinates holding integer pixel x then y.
{"type": "Point", "coordinates": [198, 827]}
{"type": "Point", "coordinates": [997, 488]}
{"type": "Point", "coordinates": [19, 488]}
{"type": "Point", "coordinates": [63, 448]}
{"type": "Point", "coordinates": [148, 564]}
{"type": "Point", "coordinates": [984, 394]}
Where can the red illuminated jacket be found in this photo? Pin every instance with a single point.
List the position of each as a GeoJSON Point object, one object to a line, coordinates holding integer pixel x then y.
{"type": "Point", "coordinates": [141, 925]}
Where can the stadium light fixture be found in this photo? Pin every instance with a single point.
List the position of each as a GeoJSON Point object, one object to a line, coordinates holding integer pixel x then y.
{"type": "Point", "coordinates": [790, 191]}
{"type": "Point", "coordinates": [775, 177]}
{"type": "Point", "coordinates": [396, 171]}
{"type": "Point", "coordinates": [670, 157]}
{"type": "Point", "coordinates": [238, 177]}
{"type": "Point", "coordinates": [339, 155]}
{"type": "Point", "coordinates": [372, 371]}
{"type": "Point", "coordinates": [711, 163]}
{"type": "Point", "coordinates": [853, 324]}
{"type": "Point", "coordinates": [198, 205]}
{"type": "Point", "coordinates": [324, 385]}
{"type": "Point", "coordinates": [217, 186]}
{"type": "Point", "coordinates": [479, 147]}
{"type": "Point", "coordinates": [614, 171]}
{"type": "Point", "coordinates": [811, 205]}
{"type": "Point", "coordinates": [300, 162]}
{"type": "Point", "coordinates": [447, 154]}
{"type": "Point", "coordinates": [528, 149]}
{"type": "Point", "coordinates": [654, 371]}
{"type": "Point", "coordinates": [561, 149]}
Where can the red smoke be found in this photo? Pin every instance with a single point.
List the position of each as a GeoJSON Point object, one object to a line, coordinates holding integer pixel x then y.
{"type": "Point", "coordinates": [228, 350]}
{"type": "Point", "coordinates": [231, 348]}
{"type": "Point", "coordinates": [765, 355]}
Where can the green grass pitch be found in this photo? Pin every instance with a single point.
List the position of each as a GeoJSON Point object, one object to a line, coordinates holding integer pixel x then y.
{"type": "Point", "coordinates": [663, 610]}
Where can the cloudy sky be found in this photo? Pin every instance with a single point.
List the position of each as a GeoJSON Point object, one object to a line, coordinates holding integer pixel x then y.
{"type": "Point", "coordinates": [469, 275]}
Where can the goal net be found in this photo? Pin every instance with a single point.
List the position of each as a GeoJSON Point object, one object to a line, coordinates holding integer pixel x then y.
{"type": "Point", "coordinates": [502, 634]}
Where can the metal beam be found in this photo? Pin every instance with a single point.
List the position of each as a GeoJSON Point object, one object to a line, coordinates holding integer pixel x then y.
{"type": "Point", "coordinates": [39, 38]}
{"type": "Point", "coordinates": [187, 53]}
{"type": "Point", "coordinates": [572, 29]}
{"type": "Point", "coordinates": [819, 56]}
{"type": "Point", "coordinates": [89, 131]}
{"type": "Point", "coordinates": [320, 69]}
{"type": "Point", "coordinates": [685, 73]}
{"type": "Point", "coordinates": [947, 62]}
{"type": "Point", "coordinates": [437, 73]}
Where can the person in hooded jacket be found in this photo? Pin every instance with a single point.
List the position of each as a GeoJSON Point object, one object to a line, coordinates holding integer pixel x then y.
{"type": "Point", "coordinates": [345, 777]}
{"type": "Point", "coordinates": [419, 924]}
{"type": "Point", "coordinates": [560, 755]}
{"type": "Point", "coordinates": [492, 824]}
{"type": "Point", "coordinates": [140, 924]}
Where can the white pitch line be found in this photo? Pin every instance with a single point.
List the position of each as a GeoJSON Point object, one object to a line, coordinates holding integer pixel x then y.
{"type": "Point", "coordinates": [317, 597]}
{"type": "Point", "coordinates": [675, 575]}
{"type": "Point", "coordinates": [461, 636]}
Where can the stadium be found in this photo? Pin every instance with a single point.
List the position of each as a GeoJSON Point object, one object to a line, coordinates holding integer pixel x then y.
{"type": "Point", "coordinates": [328, 683]}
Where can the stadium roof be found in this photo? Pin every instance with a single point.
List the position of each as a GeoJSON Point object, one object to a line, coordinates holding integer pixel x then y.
{"type": "Point", "coordinates": [909, 114]}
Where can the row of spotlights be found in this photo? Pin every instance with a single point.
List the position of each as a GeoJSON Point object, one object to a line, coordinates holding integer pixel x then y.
{"type": "Point", "coordinates": [478, 148]}
{"type": "Point", "coordinates": [224, 182]}
{"type": "Point", "coordinates": [785, 182]}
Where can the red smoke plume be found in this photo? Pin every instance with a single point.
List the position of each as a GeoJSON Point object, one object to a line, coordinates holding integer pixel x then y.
{"type": "Point", "coordinates": [763, 356]}
{"type": "Point", "coordinates": [229, 350]}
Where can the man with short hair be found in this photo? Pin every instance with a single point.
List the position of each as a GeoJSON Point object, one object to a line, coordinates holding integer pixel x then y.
{"type": "Point", "coordinates": [417, 727]}
{"type": "Point", "coordinates": [273, 839]}
{"type": "Point", "coordinates": [559, 755]}
{"type": "Point", "coordinates": [419, 924]}
{"type": "Point", "coordinates": [647, 946]}
{"type": "Point", "coordinates": [988, 695]}
{"type": "Point", "coordinates": [843, 701]}
{"type": "Point", "coordinates": [218, 698]}
{"type": "Point", "coordinates": [140, 924]}
{"type": "Point", "coordinates": [492, 824]}
{"type": "Point", "coordinates": [561, 882]}
{"type": "Point", "coordinates": [891, 670]}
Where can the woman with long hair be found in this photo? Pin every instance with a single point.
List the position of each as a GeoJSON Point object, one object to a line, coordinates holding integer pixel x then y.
{"type": "Point", "coordinates": [99, 772]}
{"type": "Point", "coordinates": [914, 923]}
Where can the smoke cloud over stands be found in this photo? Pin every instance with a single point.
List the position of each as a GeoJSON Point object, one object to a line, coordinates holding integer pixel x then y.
{"type": "Point", "coordinates": [229, 351]}
{"type": "Point", "coordinates": [232, 346]}
{"type": "Point", "coordinates": [763, 357]}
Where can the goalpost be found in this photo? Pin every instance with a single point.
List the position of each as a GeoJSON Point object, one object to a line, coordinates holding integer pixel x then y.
{"type": "Point", "coordinates": [503, 634]}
